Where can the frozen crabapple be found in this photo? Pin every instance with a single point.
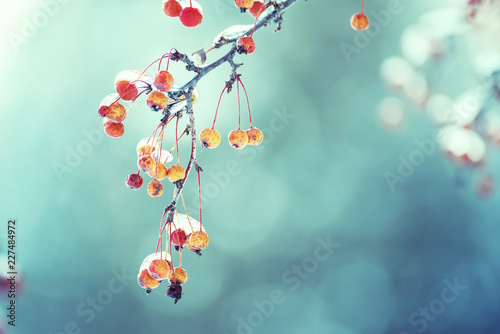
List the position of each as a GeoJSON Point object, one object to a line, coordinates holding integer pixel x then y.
{"type": "Point", "coordinates": [177, 276]}
{"type": "Point", "coordinates": [243, 5]}
{"type": "Point", "coordinates": [157, 100]}
{"type": "Point", "coordinates": [115, 112]}
{"type": "Point", "coordinates": [255, 136]}
{"type": "Point", "coordinates": [246, 45]}
{"type": "Point", "coordinates": [164, 81]}
{"type": "Point", "coordinates": [145, 147]}
{"type": "Point", "coordinates": [127, 90]}
{"type": "Point", "coordinates": [146, 281]}
{"type": "Point", "coordinates": [198, 240]}
{"type": "Point", "coordinates": [112, 129]}
{"type": "Point", "coordinates": [172, 8]}
{"type": "Point", "coordinates": [178, 238]}
{"type": "Point", "coordinates": [209, 138]}
{"type": "Point", "coordinates": [159, 172]}
{"type": "Point", "coordinates": [159, 269]}
{"type": "Point", "coordinates": [146, 163]}
{"type": "Point", "coordinates": [175, 173]}
{"type": "Point", "coordinates": [238, 139]}
{"type": "Point", "coordinates": [256, 8]}
{"type": "Point", "coordinates": [360, 21]}
{"type": "Point", "coordinates": [134, 181]}
{"type": "Point", "coordinates": [191, 16]}
{"type": "Point", "coordinates": [155, 188]}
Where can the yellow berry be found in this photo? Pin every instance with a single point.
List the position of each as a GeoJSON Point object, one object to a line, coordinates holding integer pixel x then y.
{"type": "Point", "coordinates": [157, 100]}
{"type": "Point", "coordinates": [155, 188]}
{"type": "Point", "coordinates": [146, 163]}
{"type": "Point", "coordinates": [198, 240]}
{"type": "Point", "coordinates": [159, 269]}
{"type": "Point", "coordinates": [210, 138]}
{"type": "Point", "coordinates": [159, 172]}
{"type": "Point", "coordinates": [255, 136]}
{"type": "Point", "coordinates": [238, 139]}
{"type": "Point", "coordinates": [175, 173]}
{"type": "Point", "coordinates": [146, 281]}
{"type": "Point", "coordinates": [177, 276]}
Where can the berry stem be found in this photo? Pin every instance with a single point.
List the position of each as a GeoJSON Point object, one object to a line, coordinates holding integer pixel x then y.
{"type": "Point", "coordinates": [177, 138]}
{"type": "Point", "coordinates": [199, 195]}
{"type": "Point", "coordinates": [218, 104]}
{"type": "Point", "coordinates": [248, 101]}
{"type": "Point", "coordinates": [239, 109]}
{"type": "Point", "coordinates": [362, 6]}
{"type": "Point", "coordinates": [185, 210]}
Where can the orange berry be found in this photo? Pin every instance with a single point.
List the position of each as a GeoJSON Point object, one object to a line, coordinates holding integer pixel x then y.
{"type": "Point", "coordinates": [115, 112]}
{"type": "Point", "coordinates": [145, 147]}
{"type": "Point", "coordinates": [243, 5]}
{"type": "Point", "coordinates": [127, 90]}
{"type": "Point", "coordinates": [255, 136]}
{"type": "Point", "coordinates": [164, 81]}
{"type": "Point", "coordinates": [256, 7]}
{"type": "Point", "coordinates": [146, 281]}
{"type": "Point", "coordinates": [113, 129]}
{"type": "Point", "coordinates": [157, 100]}
{"type": "Point", "coordinates": [175, 173]}
{"type": "Point", "coordinates": [146, 163]}
{"type": "Point", "coordinates": [177, 276]}
{"type": "Point", "coordinates": [159, 269]}
{"type": "Point", "coordinates": [191, 17]}
{"type": "Point", "coordinates": [159, 172]}
{"type": "Point", "coordinates": [246, 44]}
{"type": "Point", "coordinates": [155, 188]}
{"type": "Point", "coordinates": [359, 21]}
{"type": "Point", "coordinates": [172, 8]}
{"type": "Point", "coordinates": [238, 139]}
{"type": "Point", "coordinates": [210, 138]}
{"type": "Point", "coordinates": [198, 240]}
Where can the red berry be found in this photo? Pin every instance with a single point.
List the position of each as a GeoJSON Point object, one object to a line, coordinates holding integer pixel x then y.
{"type": "Point", "coordinates": [191, 17]}
{"type": "Point", "coordinates": [134, 181]}
{"type": "Point", "coordinates": [172, 8]}
{"type": "Point", "coordinates": [246, 44]}
{"type": "Point", "coordinates": [164, 81]}
{"type": "Point", "coordinates": [127, 90]}
{"type": "Point", "coordinates": [178, 237]}
{"type": "Point", "coordinates": [113, 129]}
{"type": "Point", "coordinates": [359, 21]}
{"type": "Point", "coordinates": [257, 6]}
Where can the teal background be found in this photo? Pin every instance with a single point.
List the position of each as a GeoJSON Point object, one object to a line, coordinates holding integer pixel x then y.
{"type": "Point", "coordinates": [318, 174]}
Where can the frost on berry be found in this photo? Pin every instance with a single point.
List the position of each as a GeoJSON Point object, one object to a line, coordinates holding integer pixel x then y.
{"type": "Point", "coordinates": [209, 138]}
{"type": "Point", "coordinates": [146, 163]}
{"type": "Point", "coordinates": [246, 45]}
{"type": "Point", "coordinates": [463, 146]}
{"type": "Point", "coordinates": [360, 21]}
{"type": "Point", "coordinates": [159, 269]}
{"type": "Point", "coordinates": [238, 139]}
{"type": "Point", "coordinates": [162, 156]}
{"type": "Point", "coordinates": [112, 109]}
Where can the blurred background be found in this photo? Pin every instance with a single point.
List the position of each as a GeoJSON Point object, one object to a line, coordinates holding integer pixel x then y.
{"type": "Point", "coordinates": [333, 225]}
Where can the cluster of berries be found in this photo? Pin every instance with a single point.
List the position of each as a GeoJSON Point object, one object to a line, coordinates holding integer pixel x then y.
{"type": "Point", "coordinates": [190, 12]}
{"type": "Point", "coordinates": [210, 138]}
{"type": "Point", "coordinates": [182, 231]}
